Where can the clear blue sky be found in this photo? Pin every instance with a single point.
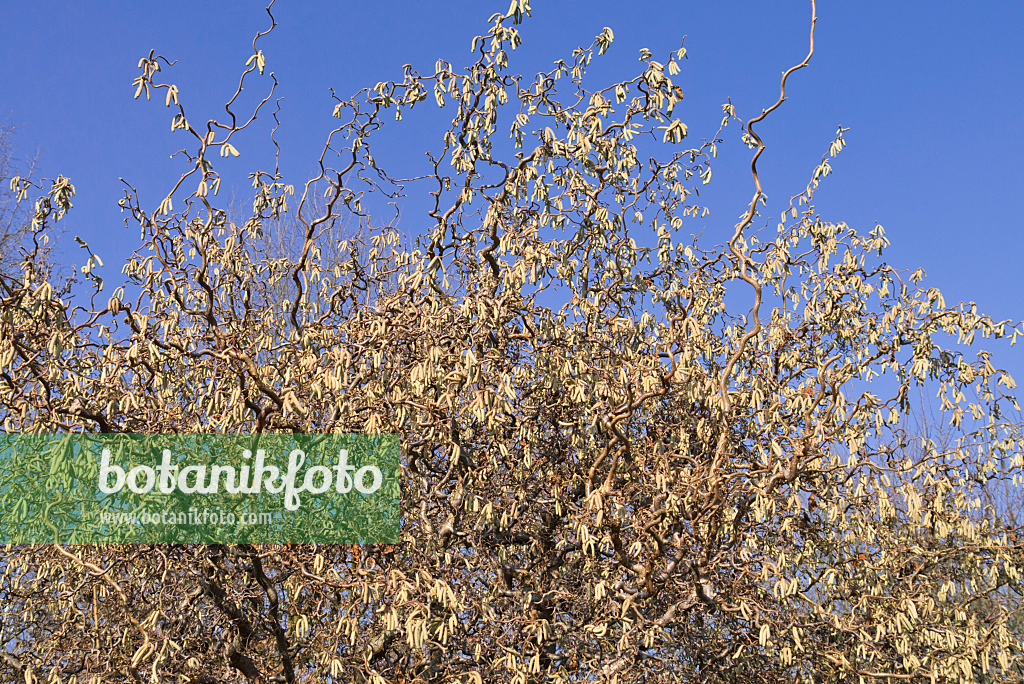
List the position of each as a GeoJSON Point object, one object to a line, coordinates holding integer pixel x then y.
{"type": "Point", "coordinates": [931, 93]}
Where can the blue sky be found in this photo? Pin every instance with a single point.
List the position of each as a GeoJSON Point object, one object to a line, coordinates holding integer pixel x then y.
{"type": "Point", "coordinates": [931, 93]}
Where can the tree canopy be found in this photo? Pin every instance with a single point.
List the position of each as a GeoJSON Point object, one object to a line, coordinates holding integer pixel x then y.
{"type": "Point", "coordinates": [629, 454]}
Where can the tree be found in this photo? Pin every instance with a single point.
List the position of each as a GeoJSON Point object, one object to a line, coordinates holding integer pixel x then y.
{"type": "Point", "coordinates": [14, 221]}
{"type": "Point", "coordinates": [923, 428]}
{"type": "Point", "coordinates": [608, 474]}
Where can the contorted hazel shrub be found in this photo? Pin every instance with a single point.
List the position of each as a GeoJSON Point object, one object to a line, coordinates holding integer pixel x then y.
{"type": "Point", "coordinates": [608, 474]}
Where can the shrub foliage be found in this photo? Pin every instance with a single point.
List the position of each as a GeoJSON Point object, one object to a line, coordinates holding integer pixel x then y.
{"type": "Point", "coordinates": [608, 473]}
